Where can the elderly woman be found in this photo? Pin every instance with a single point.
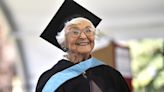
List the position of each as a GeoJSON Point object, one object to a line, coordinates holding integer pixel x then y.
{"type": "Point", "coordinates": [78, 35]}
{"type": "Point", "coordinates": [78, 71]}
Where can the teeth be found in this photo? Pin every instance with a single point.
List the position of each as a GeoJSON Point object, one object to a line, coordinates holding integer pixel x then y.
{"type": "Point", "coordinates": [83, 43]}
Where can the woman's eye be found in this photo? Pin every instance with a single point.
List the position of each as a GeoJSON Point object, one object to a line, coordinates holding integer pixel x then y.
{"type": "Point", "coordinates": [88, 31]}
{"type": "Point", "coordinates": [75, 32]}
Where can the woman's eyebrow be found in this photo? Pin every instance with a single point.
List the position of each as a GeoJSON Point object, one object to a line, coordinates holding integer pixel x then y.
{"type": "Point", "coordinates": [73, 27]}
{"type": "Point", "coordinates": [88, 27]}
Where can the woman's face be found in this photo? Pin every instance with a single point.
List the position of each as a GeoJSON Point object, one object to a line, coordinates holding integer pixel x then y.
{"type": "Point", "coordinates": [80, 37]}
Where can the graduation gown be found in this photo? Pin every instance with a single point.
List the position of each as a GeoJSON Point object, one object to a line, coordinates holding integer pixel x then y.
{"type": "Point", "coordinates": [102, 78]}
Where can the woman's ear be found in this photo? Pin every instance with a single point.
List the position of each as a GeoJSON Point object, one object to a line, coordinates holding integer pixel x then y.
{"type": "Point", "coordinates": [64, 46]}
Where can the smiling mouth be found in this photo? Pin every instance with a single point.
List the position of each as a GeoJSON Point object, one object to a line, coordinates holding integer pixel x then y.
{"type": "Point", "coordinates": [82, 43]}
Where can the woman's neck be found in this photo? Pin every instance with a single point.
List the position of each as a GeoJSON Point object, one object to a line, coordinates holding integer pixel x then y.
{"type": "Point", "coordinates": [76, 57]}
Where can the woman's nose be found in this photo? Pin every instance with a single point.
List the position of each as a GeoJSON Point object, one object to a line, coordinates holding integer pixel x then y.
{"type": "Point", "coordinates": [83, 35]}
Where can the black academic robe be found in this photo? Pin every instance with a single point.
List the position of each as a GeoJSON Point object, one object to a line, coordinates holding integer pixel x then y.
{"type": "Point", "coordinates": [105, 77]}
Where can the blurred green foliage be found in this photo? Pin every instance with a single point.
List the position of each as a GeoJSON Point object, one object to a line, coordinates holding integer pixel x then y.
{"type": "Point", "coordinates": [147, 65]}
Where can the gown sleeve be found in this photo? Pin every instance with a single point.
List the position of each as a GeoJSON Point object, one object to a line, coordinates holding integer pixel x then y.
{"type": "Point", "coordinates": [42, 81]}
{"type": "Point", "coordinates": [122, 85]}
{"type": "Point", "coordinates": [47, 74]}
{"type": "Point", "coordinates": [114, 80]}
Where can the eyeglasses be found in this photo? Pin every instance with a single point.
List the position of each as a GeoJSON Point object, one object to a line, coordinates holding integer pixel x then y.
{"type": "Point", "coordinates": [74, 32]}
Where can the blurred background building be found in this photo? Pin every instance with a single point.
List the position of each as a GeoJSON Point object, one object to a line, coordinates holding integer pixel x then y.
{"type": "Point", "coordinates": [131, 39]}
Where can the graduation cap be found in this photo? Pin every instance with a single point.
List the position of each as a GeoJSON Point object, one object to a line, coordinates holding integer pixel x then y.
{"type": "Point", "coordinates": [66, 12]}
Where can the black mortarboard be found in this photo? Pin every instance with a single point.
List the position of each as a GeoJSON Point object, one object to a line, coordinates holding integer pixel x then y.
{"type": "Point", "coordinates": [68, 10]}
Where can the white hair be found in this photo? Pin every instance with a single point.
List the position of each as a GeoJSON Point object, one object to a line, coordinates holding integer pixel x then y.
{"type": "Point", "coordinates": [61, 35]}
